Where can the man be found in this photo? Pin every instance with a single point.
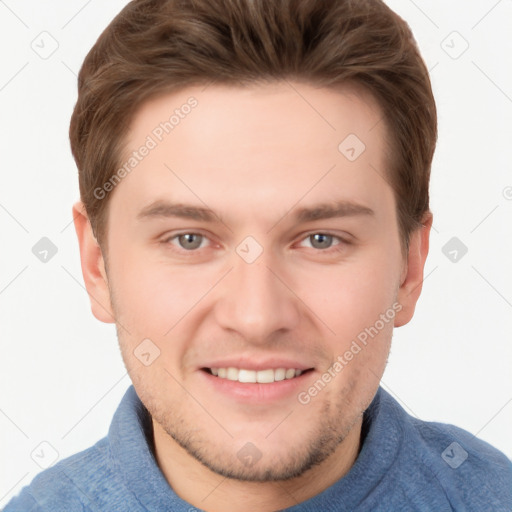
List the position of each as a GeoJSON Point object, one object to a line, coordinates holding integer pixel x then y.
{"type": "Point", "coordinates": [255, 219]}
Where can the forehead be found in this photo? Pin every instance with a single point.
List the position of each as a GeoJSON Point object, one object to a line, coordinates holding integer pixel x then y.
{"type": "Point", "coordinates": [270, 145]}
{"type": "Point", "coordinates": [261, 113]}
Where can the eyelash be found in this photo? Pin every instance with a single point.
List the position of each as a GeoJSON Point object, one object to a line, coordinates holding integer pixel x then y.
{"type": "Point", "coordinates": [334, 249]}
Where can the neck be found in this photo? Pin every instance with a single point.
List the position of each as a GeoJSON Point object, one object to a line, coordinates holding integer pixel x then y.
{"type": "Point", "coordinates": [209, 491]}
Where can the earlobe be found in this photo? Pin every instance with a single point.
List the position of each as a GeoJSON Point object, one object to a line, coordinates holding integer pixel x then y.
{"type": "Point", "coordinates": [412, 277]}
{"type": "Point", "coordinates": [93, 266]}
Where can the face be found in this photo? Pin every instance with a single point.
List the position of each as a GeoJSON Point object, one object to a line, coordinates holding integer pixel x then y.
{"type": "Point", "coordinates": [255, 271]}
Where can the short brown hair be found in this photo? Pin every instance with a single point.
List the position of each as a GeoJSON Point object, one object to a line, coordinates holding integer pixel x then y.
{"type": "Point", "coordinates": [158, 46]}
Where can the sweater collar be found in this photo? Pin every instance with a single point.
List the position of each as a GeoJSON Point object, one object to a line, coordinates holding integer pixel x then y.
{"type": "Point", "coordinates": [131, 441]}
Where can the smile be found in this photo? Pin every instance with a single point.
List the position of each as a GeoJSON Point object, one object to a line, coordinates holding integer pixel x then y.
{"type": "Point", "coordinates": [266, 376]}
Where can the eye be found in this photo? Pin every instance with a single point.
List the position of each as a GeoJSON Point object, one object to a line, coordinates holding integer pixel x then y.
{"type": "Point", "coordinates": [187, 241]}
{"type": "Point", "coordinates": [323, 241]}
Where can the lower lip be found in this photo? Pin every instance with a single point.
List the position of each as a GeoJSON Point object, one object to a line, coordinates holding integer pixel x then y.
{"type": "Point", "coordinates": [256, 392]}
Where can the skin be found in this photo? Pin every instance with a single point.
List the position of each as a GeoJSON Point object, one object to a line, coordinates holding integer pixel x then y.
{"type": "Point", "coordinates": [254, 156]}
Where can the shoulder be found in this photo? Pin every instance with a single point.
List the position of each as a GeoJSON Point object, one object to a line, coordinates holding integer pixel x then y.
{"type": "Point", "coordinates": [472, 473]}
{"type": "Point", "coordinates": [440, 463]}
{"type": "Point", "coordinates": [75, 484]}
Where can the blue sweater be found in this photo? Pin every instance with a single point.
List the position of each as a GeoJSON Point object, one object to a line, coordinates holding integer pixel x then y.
{"type": "Point", "coordinates": [404, 464]}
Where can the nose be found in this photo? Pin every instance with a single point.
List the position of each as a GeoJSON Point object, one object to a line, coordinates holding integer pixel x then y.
{"type": "Point", "coordinates": [256, 301]}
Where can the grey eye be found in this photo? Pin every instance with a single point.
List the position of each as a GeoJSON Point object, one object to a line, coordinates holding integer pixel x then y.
{"type": "Point", "coordinates": [321, 241]}
{"type": "Point", "coordinates": [190, 240]}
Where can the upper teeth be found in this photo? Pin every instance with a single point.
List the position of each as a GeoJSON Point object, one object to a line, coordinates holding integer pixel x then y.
{"type": "Point", "coordinates": [261, 376]}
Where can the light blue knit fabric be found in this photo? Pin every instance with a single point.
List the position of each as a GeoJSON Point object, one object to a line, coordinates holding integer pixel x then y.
{"type": "Point", "coordinates": [404, 465]}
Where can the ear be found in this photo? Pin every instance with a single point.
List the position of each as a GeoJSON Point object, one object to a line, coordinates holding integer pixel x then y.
{"type": "Point", "coordinates": [412, 274]}
{"type": "Point", "coordinates": [93, 266]}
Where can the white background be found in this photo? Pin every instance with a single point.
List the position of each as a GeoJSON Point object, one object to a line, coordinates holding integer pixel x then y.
{"type": "Point", "coordinates": [61, 374]}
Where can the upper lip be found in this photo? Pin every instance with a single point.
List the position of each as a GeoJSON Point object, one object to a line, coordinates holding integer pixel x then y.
{"type": "Point", "coordinates": [253, 363]}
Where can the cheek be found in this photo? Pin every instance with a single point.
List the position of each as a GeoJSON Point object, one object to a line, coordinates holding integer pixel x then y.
{"type": "Point", "coordinates": [152, 295]}
{"type": "Point", "coordinates": [352, 296]}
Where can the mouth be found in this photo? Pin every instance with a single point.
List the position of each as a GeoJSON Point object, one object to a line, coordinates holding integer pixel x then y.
{"type": "Point", "coordinates": [256, 380]}
{"type": "Point", "coordinates": [246, 376]}
{"type": "Point", "coordinates": [265, 376]}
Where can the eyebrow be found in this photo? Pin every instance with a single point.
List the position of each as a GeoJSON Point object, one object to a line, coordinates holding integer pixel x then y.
{"type": "Point", "coordinates": [165, 209]}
